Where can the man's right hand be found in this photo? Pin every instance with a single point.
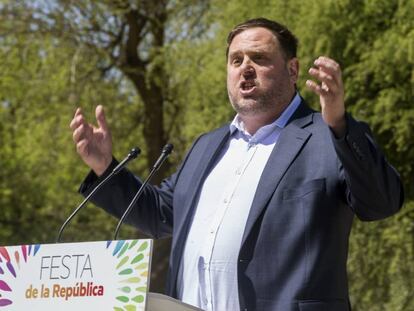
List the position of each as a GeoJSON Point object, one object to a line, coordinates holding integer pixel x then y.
{"type": "Point", "coordinates": [94, 144]}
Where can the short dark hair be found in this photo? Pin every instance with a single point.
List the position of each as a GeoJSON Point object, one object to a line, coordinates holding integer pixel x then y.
{"type": "Point", "coordinates": [288, 42]}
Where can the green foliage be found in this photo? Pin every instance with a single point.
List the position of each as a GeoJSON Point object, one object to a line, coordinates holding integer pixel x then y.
{"type": "Point", "coordinates": [380, 263]}
{"type": "Point", "coordinates": [41, 84]}
{"type": "Point", "coordinates": [46, 74]}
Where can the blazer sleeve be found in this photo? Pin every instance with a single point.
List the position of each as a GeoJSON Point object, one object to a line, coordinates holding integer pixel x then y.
{"type": "Point", "coordinates": [153, 212]}
{"type": "Point", "coordinates": [373, 187]}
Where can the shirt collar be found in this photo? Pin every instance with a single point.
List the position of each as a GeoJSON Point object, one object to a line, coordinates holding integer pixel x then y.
{"type": "Point", "coordinates": [238, 125]}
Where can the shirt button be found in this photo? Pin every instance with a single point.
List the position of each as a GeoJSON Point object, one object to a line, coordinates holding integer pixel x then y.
{"type": "Point", "coordinates": [238, 172]}
{"type": "Point", "coordinates": [225, 201]}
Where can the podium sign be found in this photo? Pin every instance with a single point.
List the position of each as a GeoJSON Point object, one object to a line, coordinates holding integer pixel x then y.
{"type": "Point", "coordinates": [110, 275]}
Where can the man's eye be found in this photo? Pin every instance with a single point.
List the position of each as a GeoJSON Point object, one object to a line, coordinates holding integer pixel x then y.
{"type": "Point", "coordinates": [236, 61]}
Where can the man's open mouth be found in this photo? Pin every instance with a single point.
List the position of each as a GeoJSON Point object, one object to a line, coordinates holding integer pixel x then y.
{"type": "Point", "coordinates": [248, 88]}
{"type": "Point", "coordinates": [247, 85]}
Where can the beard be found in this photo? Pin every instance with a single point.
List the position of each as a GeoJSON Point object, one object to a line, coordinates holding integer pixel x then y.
{"type": "Point", "coordinates": [273, 99]}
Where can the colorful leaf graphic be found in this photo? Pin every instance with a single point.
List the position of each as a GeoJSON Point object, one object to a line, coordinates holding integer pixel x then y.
{"type": "Point", "coordinates": [5, 302]}
{"type": "Point", "coordinates": [144, 265]}
{"type": "Point", "coordinates": [126, 289]}
{"type": "Point", "coordinates": [126, 271]}
{"type": "Point", "coordinates": [132, 280]}
{"type": "Point", "coordinates": [122, 262]}
{"type": "Point", "coordinates": [24, 252]}
{"type": "Point", "coordinates": [4, 253]}
{"type": "Point", "coordinates": [11, 269]}
{"type": "Point", "coordinates": [108, 243]}
{"type": "Point", "coordinates": [143, 246]}
{"type": "Point", "coordinates": [4, 286]}
{"type": "Point", "coordinates": [137, 258]}
{"type": "Point", "coordinates": [17, 257]}
{"type": "Point", "coordinates": [133, 257]}
{"type": "Point", "coordinates": [123, 298]}
{"type": "Point", "coordinates": [141, 289]}
{"type": "Point", "coordinates": [36, 249]}
{"type": "Point", "coordinates": [123, 250]}
{"type": "Point", "coordinates": [134, 242]}
{"type": "Point", "coordinates": [139, 298]}
{"type": "Point", "coordinates": [118, 247]}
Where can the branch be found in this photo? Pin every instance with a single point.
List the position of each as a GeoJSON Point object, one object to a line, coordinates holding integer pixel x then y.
{"type": "Point", "coordinates": [136, 22]}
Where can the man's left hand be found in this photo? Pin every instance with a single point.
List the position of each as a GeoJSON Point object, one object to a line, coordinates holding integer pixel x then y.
{"type": "Point", "coordinates": [331, 93]}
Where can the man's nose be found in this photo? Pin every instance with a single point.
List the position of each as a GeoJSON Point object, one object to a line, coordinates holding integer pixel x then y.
{"type": "Point", "coordinates": [248, 69]}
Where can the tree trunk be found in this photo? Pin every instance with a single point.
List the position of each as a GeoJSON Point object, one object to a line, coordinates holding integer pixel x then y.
{"type": "Point", "coordinates": [152, 85]}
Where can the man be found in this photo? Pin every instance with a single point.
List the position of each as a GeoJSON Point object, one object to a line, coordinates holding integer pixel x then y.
{"type": "Point", "coordinates": [260, 210]}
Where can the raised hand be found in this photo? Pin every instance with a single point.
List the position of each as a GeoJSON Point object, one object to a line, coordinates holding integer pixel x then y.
{"type": "Point", "coordinates": [93, 144]}
{"type": "Point", "coordinates": [331, 93]}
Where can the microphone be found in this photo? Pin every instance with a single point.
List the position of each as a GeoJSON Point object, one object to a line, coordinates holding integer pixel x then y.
{"type": "Point", "coordinates": [166, 151]}
{"type": "Point", "coordinates": [131, 155]}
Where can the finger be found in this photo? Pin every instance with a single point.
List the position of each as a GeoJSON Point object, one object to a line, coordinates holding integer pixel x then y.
{"type": "Point", "coordinates": [325, 87]}
{"type": "Point", "coordinates": [84, 130]}
{"type": "Point", "coordinates": [329, 66]}
{"type": "Point", "coordinates": [328, 82]}
{"type": "Point", "coordinates": [100, 118]}
{"type": "Point", "coordinates": [78, 111]}
{"type": "Point", "coordinates": [82, 147]}
{"type": "Point", "coordinates": [316, 88]}
{"type": "Point", "coordinates": [77, 121]}
{"type": "Point", "coordinates": [327, 62]}
{"type": "Point", "coordinates": [79, 133]}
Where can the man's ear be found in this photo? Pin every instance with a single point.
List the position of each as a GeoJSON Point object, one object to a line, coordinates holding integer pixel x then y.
{"type": "Point", "coordinates": [293, 68]}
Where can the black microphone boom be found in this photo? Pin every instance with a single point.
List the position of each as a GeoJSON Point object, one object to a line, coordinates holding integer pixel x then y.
{"type": "Point", "coordinates": [131, 155]}
{"type": "Point", "coordinates": [164, 154]}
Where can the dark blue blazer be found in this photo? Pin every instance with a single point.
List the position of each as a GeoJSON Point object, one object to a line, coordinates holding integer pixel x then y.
{"type": "Point", "coordinates": [295, 244]}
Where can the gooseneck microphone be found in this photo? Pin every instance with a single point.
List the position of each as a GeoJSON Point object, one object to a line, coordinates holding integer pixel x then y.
{"type": "Point", "coordinates": [131, 155]}
{"type": "Point", "coordinates": [166, 151]}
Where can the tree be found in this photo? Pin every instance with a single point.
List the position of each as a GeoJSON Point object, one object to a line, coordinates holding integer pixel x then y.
{"type": "Point", "coordinates": [57, 55]}
{"type": "Point", "coordinates": [131, 38]}
{"type": "Point", "coordinates": [128, 39]}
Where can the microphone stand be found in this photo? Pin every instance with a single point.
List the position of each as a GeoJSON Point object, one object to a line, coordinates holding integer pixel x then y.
{"type": "Point", "coordinates": [131, 155]}
{"type": "Point", "coordinates": [164, 154]}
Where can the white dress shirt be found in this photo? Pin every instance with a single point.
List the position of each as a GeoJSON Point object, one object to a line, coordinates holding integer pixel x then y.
{"type": "Point", "coordinates": [208, 270]}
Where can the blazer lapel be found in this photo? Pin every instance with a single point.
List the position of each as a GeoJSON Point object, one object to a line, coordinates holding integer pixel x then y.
{"type": "Point", "coordinates": [207, 157]}
{"type": "Point", "coordinates": [291, 140]}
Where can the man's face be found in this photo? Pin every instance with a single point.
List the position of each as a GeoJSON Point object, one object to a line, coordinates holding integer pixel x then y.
{"type": "Point", "coordinates": [259, 78]}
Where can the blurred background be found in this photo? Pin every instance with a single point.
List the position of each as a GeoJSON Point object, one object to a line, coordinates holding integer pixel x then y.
{"type": "Point", "coordinates": [158, 67]}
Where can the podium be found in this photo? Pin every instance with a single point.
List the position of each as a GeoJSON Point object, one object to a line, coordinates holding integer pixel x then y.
{"type": "Point", "coordinates": [106, 275]}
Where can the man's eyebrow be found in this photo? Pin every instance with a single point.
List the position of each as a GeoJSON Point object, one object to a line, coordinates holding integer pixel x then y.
{"type": "Point", "coordinates": [234, 54]}
{"type": "Point", "coordinates": [250, 51]}
{"type": "Point", "coordinates": [258, 52]}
